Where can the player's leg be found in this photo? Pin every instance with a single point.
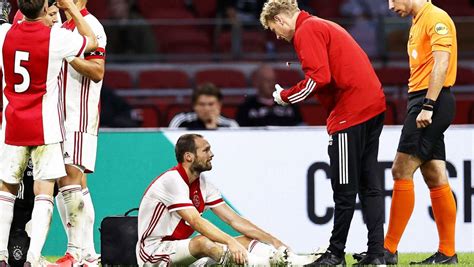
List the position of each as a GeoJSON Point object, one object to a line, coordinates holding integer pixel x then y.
{"type": "Point", "coordinates": [90, 255]}
{"type": "Point", "coordinates": [344, 152]}
{"type": "Point", "coordinates": [371, 192]}
{"type": "Point", "coordinates": [80, 153]}
{"type": "Point", "coordinates": [12, 165]}
{"type": "Point", "coordinates": [48, 166]}
{"type": "Point", "coordinates": [444, 211]}
{"type": "Point", "coordinates": [404, 166]}
{"type": "Point", "coordinates": [432, 151]}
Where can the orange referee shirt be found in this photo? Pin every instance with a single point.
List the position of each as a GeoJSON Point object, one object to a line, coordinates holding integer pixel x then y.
{"type": "Point", "coordinates": [432, 30]}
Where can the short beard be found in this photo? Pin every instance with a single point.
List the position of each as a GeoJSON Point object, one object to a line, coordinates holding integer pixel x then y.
{"type": "Point", "coordinates": [198, 168]}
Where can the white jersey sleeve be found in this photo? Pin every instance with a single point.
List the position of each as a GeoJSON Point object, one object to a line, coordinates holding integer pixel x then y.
{"type": "Point", "coordinates": [174, 193]}
{"type": "Point", "coordinates": [213, 197]}
{"type": "Point", "coordinates": [74, 46]}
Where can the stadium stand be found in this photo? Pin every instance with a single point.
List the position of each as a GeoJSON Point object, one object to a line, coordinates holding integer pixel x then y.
{"type": "Point", "coordinates": [162, 79]}
{"type": "Point", "coordinates": [230, 78]}
{"type": "Point", "coordinates": [118, 79]}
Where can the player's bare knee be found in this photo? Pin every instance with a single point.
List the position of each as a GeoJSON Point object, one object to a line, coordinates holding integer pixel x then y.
{"type": "Point", "coordinates": [74, 176]}
{"type": "Point", "coordinates": [434, 173]}
{"type": "Point", "coordinates": [201, 246]}
{"type": "Point", "coordinates": [43, 187]}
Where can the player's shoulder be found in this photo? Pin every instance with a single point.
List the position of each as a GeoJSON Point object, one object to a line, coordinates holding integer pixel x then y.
{"type": "Point", "coordinates": [437, 14]}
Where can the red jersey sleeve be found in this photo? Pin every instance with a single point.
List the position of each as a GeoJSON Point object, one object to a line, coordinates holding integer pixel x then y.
{"type": "Point", "coordinates": [311, 47]}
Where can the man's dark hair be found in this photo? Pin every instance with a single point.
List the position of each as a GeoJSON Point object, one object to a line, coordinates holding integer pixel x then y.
{"type": "Point", "coordinates": [185, 143]}
{"type": "Point", "coordinates": [31, 8]}
{"type": "Point", "coordinates": [206, 89]}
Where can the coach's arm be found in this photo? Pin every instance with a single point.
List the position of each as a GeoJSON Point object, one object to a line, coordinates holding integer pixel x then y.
{"type": "Point", "coordinates": [91, 68]}
{"type": "Point", "coordinates": [207, 229]}
{"type": "Point", "coordinates": [244, 226]}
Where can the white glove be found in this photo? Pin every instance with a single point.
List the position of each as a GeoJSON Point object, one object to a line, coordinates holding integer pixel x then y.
{"type": "Point", "coordinates": [277, 95]}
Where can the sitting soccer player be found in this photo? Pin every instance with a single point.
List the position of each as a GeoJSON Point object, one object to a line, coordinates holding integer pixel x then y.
{"type": "Point", "coordinates": [171, 209]}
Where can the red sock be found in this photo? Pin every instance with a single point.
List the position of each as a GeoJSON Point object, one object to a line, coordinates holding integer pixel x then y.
{"type": "Point", "coordinates": [444, 210]}
{"type": "Point", "coordinates": [403, 202]}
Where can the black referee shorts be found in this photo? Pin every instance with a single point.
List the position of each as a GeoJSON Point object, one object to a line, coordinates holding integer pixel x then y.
{"type": "Point", "coordinates": [427, 143]}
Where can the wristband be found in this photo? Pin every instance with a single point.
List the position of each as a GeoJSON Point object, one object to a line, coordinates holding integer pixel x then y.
{"type": "Point", "coordinates": [427, 107]}
{"type": "Point", "coordinates": [429, 102]}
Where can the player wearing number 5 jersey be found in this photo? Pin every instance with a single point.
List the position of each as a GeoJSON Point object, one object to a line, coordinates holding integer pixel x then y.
{"type": "Point", "coordinates": [31, 56]}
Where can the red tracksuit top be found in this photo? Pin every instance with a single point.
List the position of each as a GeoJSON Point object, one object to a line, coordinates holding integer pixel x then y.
{"type": "Point", "coordinates": [337, 71]}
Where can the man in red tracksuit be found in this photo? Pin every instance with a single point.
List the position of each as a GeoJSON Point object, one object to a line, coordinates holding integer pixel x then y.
{"type": "Point", "coordinates": [340, 75]}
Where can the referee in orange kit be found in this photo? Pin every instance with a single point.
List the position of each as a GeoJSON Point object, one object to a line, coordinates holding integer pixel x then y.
{"type": "Point", "coordinates": [432, 49]}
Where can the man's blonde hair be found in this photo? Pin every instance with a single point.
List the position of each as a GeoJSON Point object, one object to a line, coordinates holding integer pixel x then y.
{"type": "Point", "coordinates": [274, 7]}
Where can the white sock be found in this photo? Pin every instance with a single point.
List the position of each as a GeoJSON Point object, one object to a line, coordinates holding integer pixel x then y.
{"type": "Point", "coordinates": [261, 249]}
{"type": "Point", "coordinates": [206, 261]}
{"type": "Point", "coordinates": [7, 201]}
{"type": "Point", "coordinates": [254, 260]}
{"type": "Point", "coordinates": [62, 210]}
{"type": "Point", "coordinates": [74, 206]}
{"type": "Point", "coordinates": [89, 216]}
{"type": "Point", "coordinates": [41, 218]}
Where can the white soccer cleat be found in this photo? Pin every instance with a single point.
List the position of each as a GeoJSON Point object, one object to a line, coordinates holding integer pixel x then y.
{"type": "Point", "coordinates": [91, 261]}
{"type": "Point", "coordinates": [285, 257]}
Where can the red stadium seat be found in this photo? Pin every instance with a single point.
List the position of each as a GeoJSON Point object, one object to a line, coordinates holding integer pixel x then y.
{"type": "Point", "coordinates": [464, 76]}
{"type": "Point", "coordinates": [206, 8]}
{"type": "Point", "coordinates": [155, 5]}
{"type": "Point", "coordinates": [464, 109]}
{"type": "Point", "coordinates": [288, 77]}
{"type": "Point", "coordinates": [391, 113]}
{"type": "Point", "coordinates": [253, 41]}
{"type": "Point", "coordinates": [221, 77]}
{"type": "Point", "coordinates": [98, 8]}
{"type": "Point", "coordinates": [393, 76]}
{"type": "Point", "coordinates": [118, 79]}
{"type": "Point", "coordinates": [185, 41]}
{"type": "Point", "coordinates": [229, 110]}
{"type": "Point", "coordinates": [167, 13]}
{"type": "Point", "coordinates": [326, 9]}
{"type": "Point", "coordinates": [164, 79]}
{"type": "Point", "coordinates": [149, 115]}
{"type": "Point", "coordinates": [313, 113]}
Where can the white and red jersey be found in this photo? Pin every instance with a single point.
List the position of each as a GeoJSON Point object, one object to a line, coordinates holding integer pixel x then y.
{"type": "Point", "coordinates": [157, 219]}
{"type": "Point", "coordinates": [82, 96]}
{"type": "Point", "coordinates": [32, 56]}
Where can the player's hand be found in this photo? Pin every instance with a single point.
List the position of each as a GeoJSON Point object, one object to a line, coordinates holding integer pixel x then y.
{"type": "Point", "coordinates": [65, 4]}
{"type": "Point", "coordinates": [424, 119]}
{"type": "Point", "coordinates": [277, 95]}
{"type": "Point", "coordinates": [238, 252]}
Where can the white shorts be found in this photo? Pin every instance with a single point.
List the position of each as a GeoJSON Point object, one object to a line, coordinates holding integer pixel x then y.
{"type": "Point", "coordinates": [166, 253]}
{"type": "Point", "coordinates": [47, 161]}
{"type": "Point", "coordinates": [80, 150]}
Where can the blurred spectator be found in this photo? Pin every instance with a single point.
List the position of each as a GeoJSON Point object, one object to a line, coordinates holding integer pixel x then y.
{"type": "Point", "coordinates": [207, 103]}
{"type": "Point", "coordinates": [261, 110]}
{"type": "Point", "coordinates": [115, 111]}
{"type": "Point", "coordinates": [365, 14]}
{"type": "Point", "coordinates": [240, 11]}
{"type": "Point", "coordinates": [130, 33]}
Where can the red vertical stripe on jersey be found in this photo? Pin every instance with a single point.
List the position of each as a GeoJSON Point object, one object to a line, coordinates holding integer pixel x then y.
{"type": "Point", "coordinates": [88, 87]}
{"type": "Point", "coordinates": [64, 73]}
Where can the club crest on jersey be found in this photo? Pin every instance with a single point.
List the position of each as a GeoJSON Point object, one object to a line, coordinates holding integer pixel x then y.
{"type": "Point", "coordinates": [196, 201]}
{"type": "Point", "coordinates": [441, 28]}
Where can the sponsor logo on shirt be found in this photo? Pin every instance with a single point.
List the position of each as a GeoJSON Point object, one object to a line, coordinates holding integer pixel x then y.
{"type": "Point", "coordinates": [441, 28]}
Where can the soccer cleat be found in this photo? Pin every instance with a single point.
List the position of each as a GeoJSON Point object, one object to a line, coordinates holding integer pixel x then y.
{"type": "Point", "coordinates": [370, 260]}
{"type": "Point", "coordinates": [390, 258]}
{"type": "Point", "coordinates": [438, 258]}
{"type": "Point", "coordinates": [67, 261]}
{"type": "Point", "coordinates": [284, 256]}
{"type": "Point", "coordinates": [42, 262]}
{"type": "Point", "coordinates": [4, 264]}
{"type": "Point", "coordinates": [328, 259]}
{"type": "Point", "coordinates": [91, 261]}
